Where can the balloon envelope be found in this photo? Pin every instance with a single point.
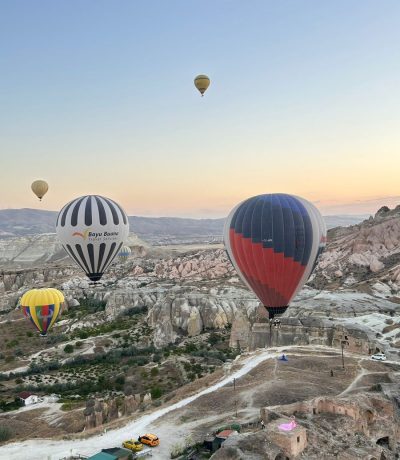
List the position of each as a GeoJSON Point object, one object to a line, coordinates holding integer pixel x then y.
{"type": "Point", "coordinates": [42, 307]}
{"type": "Point", "coordinates": [202, 82]}
{"type": "Point", "coordinates": [92, 230]}
{"type": "Point", "coordinates": [274, 241]}
{"type": "Point", "coordinates": [124, 253]}
{"type": "Point", "coordinates": [39, 188]}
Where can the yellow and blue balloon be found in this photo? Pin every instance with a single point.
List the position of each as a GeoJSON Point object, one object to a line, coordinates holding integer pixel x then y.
{"type": "Point", "coordinates": [42, 307]}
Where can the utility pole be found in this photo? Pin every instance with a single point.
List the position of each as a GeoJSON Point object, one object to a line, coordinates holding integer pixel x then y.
{"type": "Point", "coordinates": [234, 395]}
{"type": "Point", "coordinates": [270, 332]}
{"type": "Point", "coordinates": [342, 344]}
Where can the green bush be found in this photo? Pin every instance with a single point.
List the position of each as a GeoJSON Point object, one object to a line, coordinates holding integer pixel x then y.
{"type": "Point", "coordinates": [67, 406]}
{"type": "Point", "coordinates": [69, 348]}
{"type": "Point", "coordinates": [154, 372]}
{"type": "Point", "coordinates": [29, 334]}
{"type": "Point", "coordinates": [12, 343]}
{"type": "Point", "coordinates": [156, 392]}
{"type": "Point", "coordinates": [5, 433]}
{"type": "Point", "coordinates": [82, 334]}
{"type": "Point", "coordinates": [213, 338]}
{"type": "Point", "coordinates": [135, 311]}
{"type": "Point", "coordinates": [91, 305]}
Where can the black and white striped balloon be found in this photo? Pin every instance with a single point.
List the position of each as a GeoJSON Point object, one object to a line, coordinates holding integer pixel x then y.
{"type": "Point", "coordinates": [92, 230]}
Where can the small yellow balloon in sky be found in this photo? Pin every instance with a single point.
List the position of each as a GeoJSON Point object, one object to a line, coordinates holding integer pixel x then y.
{"type": "Point", "coordinates": [39, 188]}
{"type": "Point", "coordinates": [202, 82]}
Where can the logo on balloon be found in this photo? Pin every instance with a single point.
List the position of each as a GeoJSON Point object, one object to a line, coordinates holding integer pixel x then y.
{"type": "Point", "coordinates": [96, 236]}
{"type": "Point", "coordinates": [83, 235]}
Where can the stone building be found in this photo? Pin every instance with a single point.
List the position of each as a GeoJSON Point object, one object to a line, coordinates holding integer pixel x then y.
{"type": "Point", "coordinates": [291, 442]}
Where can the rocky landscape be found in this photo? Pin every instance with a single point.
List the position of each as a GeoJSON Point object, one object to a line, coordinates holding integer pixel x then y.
{"type": "Point", "coordinates": [172, 316]}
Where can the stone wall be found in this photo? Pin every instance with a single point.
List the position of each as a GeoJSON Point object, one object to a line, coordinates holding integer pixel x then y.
{"type": "Point", "coordinates": [303, 331]}
{"type": "Point", "coordinates": [291, 442]}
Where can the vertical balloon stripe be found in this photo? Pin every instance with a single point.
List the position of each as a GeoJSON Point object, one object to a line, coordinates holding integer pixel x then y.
{"type": "Point", "coordinates": [299, 244]}
{"type": "Point", "coordinates": [238, 249]}
{"type": "Point", "coordinates": [75, 211]}
{"type": "Point", "coordinates": [78, 248]}
{"type": "Point", "coordinates": [112, 258]}
{"type": "Point", "coordinates": [257, 247]}
{"type": "Point", "coordinates": [88, 212]}
{"type": "Point", "coordinates": [287, 218]}
{"type": "Point", "coordinates": [314, 222]}
{"type": "Point", "coordinates": [64, 213]}
{"type": "Point", "coordinates": [308, 232]}
{"type": "Point", "coordinates": [113, 211]}
{"type": "Point", "coordinates": [54, 311]}
{"type": "Point", "coordinates": [101, 255]}
{"type": "Point", "coordinates": [102, 211]}
{"type": "Point", "coordinates": [36, 320]}
{"type": "Point", "coordinates": [72, 254]}
{"type": "Point", "coordinates": [236, 255]}
{"type": "Point", "coordinates": [261, 251]}
{"type": "Point", "coordinates": [124, 218]}
{"type": "Point", "coordinates": [266, 264]}
{"type": "Point", "coordinates": [91, 257]}
{"type": "Point", "coordinates": [228, 236]}
{"type": "Point", "coordinates": [110, 252]}
{"type": "Point", "coordinates": [271, 254]}
{"type": "Point", "coordinates": [246, 238]}
{"type": "Point", "coordinates": [278, 237]}
{"type": "Point", "coordinates": [45, 317]}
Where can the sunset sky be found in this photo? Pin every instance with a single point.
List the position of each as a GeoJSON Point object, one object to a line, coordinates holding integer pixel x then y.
{"type": "Point", "coordinates": [98, 97]}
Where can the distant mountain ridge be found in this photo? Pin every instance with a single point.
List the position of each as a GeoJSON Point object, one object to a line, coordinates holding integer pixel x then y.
{"type": "Point", "coordinates": [155, 230]}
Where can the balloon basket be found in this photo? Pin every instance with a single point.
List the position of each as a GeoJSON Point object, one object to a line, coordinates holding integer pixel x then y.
{"type": "Point", "coordinates": [95, 283]}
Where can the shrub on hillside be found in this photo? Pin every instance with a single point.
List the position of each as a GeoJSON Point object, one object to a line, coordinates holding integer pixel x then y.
{"type": "Point", "coordinates": [5, 433]}
{"type": "Point", "coordinates": [156, 393]}
{"type": "Point", "coordinates": [69, 348]}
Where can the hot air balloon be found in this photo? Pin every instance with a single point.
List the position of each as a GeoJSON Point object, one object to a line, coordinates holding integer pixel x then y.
{"type": "Point", "coordinates": [124, 253]}
{"type": "Point", "coordinates": [273, 241]}
{"type": "Point", "coordinates": [92, 230]}
{"type": "Point", "coordinates": [39, 188]}
{"type": "Point", "coordinates": [202, 82]}
{"type": "Point", "coordinates": [42, 307]}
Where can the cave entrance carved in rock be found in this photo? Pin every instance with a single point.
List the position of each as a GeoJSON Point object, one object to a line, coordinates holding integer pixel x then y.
{"type": "Point", "coordinates": [383, 442]}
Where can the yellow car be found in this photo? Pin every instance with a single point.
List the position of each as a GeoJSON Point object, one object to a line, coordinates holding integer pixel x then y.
{"type": "Point", "coordinates": [133, 445]}
{"type": "Point", "coordinates": [149, 439]}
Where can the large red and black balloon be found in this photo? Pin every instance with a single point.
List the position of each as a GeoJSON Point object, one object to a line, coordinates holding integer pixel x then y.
{"type": "Point", "coordinates": [274, 241]}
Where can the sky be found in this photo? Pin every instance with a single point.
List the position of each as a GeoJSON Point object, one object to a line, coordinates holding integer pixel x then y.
{"type": "Point", "coordinates": [97, 97]}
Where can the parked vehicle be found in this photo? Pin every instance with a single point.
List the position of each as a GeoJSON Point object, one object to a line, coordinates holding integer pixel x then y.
{"type": "Point", "coordinates": [133, 444]}
{"type": "Point", "coordinates": [149, 439]}
{"type": "Point", "coordinates": [379, 357]}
